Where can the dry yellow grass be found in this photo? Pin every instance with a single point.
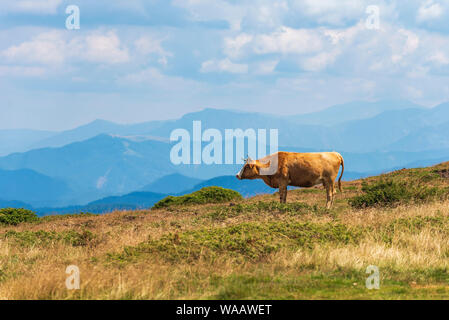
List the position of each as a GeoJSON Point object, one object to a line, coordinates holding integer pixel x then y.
{"type": "Point", "coordinates": [408, 243]}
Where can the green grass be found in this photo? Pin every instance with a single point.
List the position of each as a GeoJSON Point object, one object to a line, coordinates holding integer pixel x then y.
{"type": "Point", "coordinates": [45, 238]}
{"type": "Point", "coordinates": [58, 217]}
{"type": "Point", "coordinates": [340, 284]}
{"type": "Point", "coordinates": [413, 225]}
{"type": "Point", "coordinates": [253, 241]}
{"type": "Point", "coordinates": [221, 213]}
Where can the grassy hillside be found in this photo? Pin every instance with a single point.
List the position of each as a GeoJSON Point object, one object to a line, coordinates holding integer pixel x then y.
{"type": "Point", "coordinates": [246, 249]}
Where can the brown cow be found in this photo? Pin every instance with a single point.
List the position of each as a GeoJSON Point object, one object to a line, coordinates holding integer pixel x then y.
{"type": "Point", "coordinates": [296, 169]}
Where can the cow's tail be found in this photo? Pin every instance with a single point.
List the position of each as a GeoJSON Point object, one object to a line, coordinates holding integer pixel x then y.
{"type": "Point", "coordinates": [342, 163]}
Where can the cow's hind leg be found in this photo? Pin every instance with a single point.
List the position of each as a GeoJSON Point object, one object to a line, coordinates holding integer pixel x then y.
{"type": "Point", "coordinates": [329, 192]}
{"type": "Point", "coordinates": [333, 192]}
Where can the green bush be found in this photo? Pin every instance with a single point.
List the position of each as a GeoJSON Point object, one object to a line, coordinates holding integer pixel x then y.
{"type": "Point", "coordinates": [205, 195]}
{"type": "Point", "coordinates": [13, 216]}
{"type": "Point", "coordinates": [391, 193]}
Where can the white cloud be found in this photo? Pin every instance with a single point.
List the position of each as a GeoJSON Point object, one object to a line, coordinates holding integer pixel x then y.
{"type": "Point", "coordinates": [288, 40]}
{"type": "Point", "coordinates": [153, 77]}
{"type": "Point", "coordinates": [207, 10]}
{"type": "Point", "coordinates": [31, 6]}
{"type": "Point", "coordinates": [150, 45]}
{"type": "Point", "coordinates": [239, 14]}
{"type": "Point", "coordinates": [344, 35]}
{"type": "Point", "coordinates": [319, 61]}
{"type": "Point", "coordinates": [102, 48]}
{"type": "Point", "coordinates": [312, 49]}
{"type": "Point", "coordinates": [403, 43]}
{"type": "Point", "coordinates": [439, 58]}
{"type": "Point", "coordinates": [20, 71]}
{"type": "Point", "coordinates": [429, 10]}
{"type": "Point", "coordinates": [233, 46]}
{"type": "Point", "coordinates": [418, 72]}
{"type": "Point", "coordinates": [52, 48]}
{"type": "Point", "coordinates": [413, 92]}
{"type": "Point", "coordinates": [292, 41]}
{"type": "Point", "coordinates": [45, 48]}
{"type": "Point", "coordinates": [331, 11]}
{"type": "Point", "coordinates": [265, 67]}
{"type": "Point", "coordinates": [224, 65]}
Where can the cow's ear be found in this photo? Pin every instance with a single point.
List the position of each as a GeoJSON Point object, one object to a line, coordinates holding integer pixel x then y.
{"type": "Point", "coordinates": [265, 165]}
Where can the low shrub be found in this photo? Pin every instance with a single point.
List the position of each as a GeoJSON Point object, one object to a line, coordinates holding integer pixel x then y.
{"type": "Point", "coordinates": [14, 216]}
{"type": "Point", "coordinates": [391, 193]}
{"type": "Point", "coordinates": [205, 195]}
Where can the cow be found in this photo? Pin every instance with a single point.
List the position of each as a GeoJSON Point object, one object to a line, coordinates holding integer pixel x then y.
{"type": "Point", "coordinates": [282, 169]}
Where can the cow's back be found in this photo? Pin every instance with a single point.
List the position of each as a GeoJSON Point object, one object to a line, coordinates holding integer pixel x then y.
{"type": "Point", "coordinates": [308, 169]}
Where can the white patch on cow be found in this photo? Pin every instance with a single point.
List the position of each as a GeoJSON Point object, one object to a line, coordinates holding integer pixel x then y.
{"type": "Point", "coordinates": [248, 160]}
{"type": "Point", "coordinates": [239, 174]}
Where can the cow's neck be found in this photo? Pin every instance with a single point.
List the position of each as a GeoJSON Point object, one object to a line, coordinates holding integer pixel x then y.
{"type": "Point", "coordinates": [266, 179]}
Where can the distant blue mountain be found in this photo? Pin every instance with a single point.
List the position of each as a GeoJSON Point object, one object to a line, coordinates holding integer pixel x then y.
{"type": "Point", "coordinates": [98, 167]}
{"type": "Point", "coordinates": [143, 200]}
{"type": "Point", "coordinates": [31, 187]}
{"type": "Point", "coordinates": [93, 129]}
{"type": "Point", "coordinates": [140, 199]}
{"type": "Point", "coordinates": [14, 204]}
{"type": "Point", "coordinates": [131, 201]}
{"type": "Point", "coordinates": [20, 140]}
{"type": "Point", "coordinates": [171, 184]}
{"type": "Point", "coordinates": [356, 110]}
{"type": "Point", "coordinates": [298, 130]}
{"type": "Point", "coordinates": [353, 127]}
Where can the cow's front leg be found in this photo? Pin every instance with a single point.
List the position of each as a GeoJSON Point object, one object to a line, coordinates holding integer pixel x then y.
{"type": "Point", "coordinates": [283, 193]}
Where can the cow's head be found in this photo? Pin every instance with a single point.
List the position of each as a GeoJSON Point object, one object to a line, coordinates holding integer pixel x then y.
{"type": "Point", "coordinates": [250, 170]}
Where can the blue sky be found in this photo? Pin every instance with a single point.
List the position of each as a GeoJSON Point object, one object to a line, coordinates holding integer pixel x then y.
{"type": "Point", "coordinates": [134, 61]}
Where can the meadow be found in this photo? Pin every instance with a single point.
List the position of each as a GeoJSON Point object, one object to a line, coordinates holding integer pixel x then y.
{"type": "Point", "coordinates": [235, 248]}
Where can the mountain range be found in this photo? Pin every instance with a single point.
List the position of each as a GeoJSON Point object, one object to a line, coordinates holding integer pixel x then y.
{"type": "Point", "coordinates": [102, 159]}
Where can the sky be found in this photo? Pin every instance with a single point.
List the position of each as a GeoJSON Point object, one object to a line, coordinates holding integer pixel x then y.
{"type": "Point", "coordinates": [135, 61]}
